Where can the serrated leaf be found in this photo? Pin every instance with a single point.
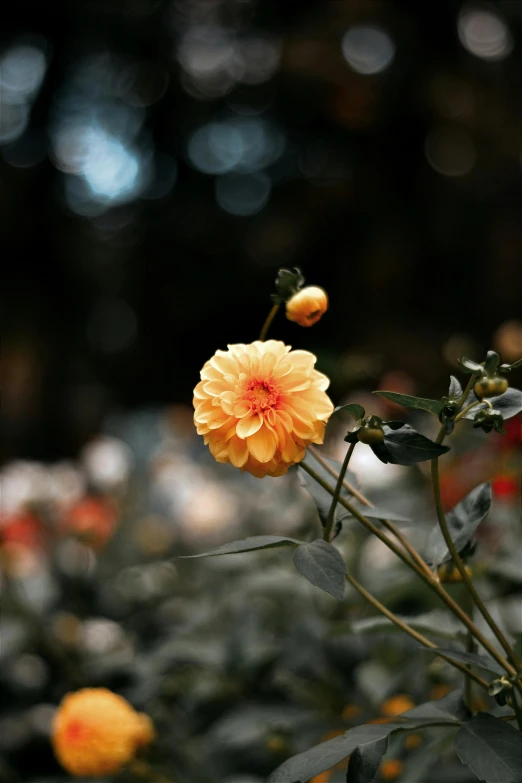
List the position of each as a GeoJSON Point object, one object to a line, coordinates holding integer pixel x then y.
{"type": "Point", "coordinates": [406, 446]}
{"type": "Point", "coordinates": [462, 521]}
{"type": "Point", "coordinates": [419, 403]}
{"type": "Point", "coordinates": [508, 404]}
{"type": "Point", "coordinates": [355, 410]}
{"type": "Point", "coordinates": [247, 545]}
{"type": "Point", "coordinates": [323, 566]}
{"type": "Point", "coordinates": [472, 659]}
{"type": "Point", "coordinates": [322, 498]}
{"type": "Point", "coordinates": [365, 761]}
{"type": "Point", "coordinates": [455, 389]}
{"type": "Point", "coordinates": [438, 622]}
{"type": "Point", "coordinates": [491, 749]}
{"type": "Point", "coordinates": [300, 768]}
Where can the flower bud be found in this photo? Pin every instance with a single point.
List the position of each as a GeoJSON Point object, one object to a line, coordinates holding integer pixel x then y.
{"type": "Point", "coordinates": [450, 574]}
{"type": "Point", "coordinates": [307, 306]}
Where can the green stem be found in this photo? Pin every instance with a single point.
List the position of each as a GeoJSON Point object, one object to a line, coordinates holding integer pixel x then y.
{"type": "Point", "coordinates": [429, 579]}
{"type": "Point", "coordinates": [412, 632]}
{"type": "Point", "coordinates": [270, 317]}
{"type": "Point", "coordinates": [351, 489]}
{"type": "Point", "coordinates": [470, 647]}
{"type": "Point", "coordinates": [462, 570]}
{"type": "Point", "coordinates": [327, 534]}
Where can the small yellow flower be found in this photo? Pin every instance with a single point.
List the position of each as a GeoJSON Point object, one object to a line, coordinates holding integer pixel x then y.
{"type": "Point", "coordinates": [259, 406]}
{"type": "Point", "coordinates": [307, 306]}
{"type": "Point", "coordinates": [96, 732]}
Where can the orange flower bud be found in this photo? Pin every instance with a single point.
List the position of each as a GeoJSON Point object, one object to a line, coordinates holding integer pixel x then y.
{"type": "Point", "coordinates": [307, 306]}
{"type": "Point", "coordinates": [96, 732]}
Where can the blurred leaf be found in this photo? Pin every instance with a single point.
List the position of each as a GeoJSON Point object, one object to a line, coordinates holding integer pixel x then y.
{"type": "Point", "coordinates": [376, 512]}
{"type": "Point", "coordinates": [455, 388]}
{"type": "Point", "coordinates": [438, 622]}
{"type": "Point", "coordinates": [479, 661]}
{"type": "Point", "coordinates": [300, 768]}
{"type": "Point", "coordinates": [491, 749]}
{"type": "Point", "coordinates": [510, 367]}
{"type": "Point", "coordinates": [450, 706]}
{"type": "Point", "coordinates": [469, 365]}
{"type": "Point", "coordinates": [508, 404]}
{"type": "Point", "coordinates": [322, 498]}
{"type": "Point", "coordinates": [462, 521]}
{"type": "Point", "coordinates": [323, 566]}
{"type": "Point", "coordinates": [247, 545]}
{"type": "Point", "coordinates": [419, 403]}
{"type": "Point", "coordinates": [357, 411]}
{"type": "Point", "coordinates": [509, 567]}
{"type": "Point", "coordinates": [405, 446]}
{"type": "Point", "coordinates": [365, 760]}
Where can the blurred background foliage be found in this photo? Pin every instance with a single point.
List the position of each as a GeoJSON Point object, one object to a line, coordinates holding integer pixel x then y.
{"type": "Point", "coordinates": [161, 160]}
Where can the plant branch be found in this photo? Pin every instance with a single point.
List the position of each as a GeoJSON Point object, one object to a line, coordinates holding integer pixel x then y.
{"type": "Point", "coordinates": [338, 487]}
{"type": "Point", "coordinates": [270, 317]}
{"type": "Point", "coordinates": [412, 632]}
{"type": "Point", "coordinates": [429, 579]}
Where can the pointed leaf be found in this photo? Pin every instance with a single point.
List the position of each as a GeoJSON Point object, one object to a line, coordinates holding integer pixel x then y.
{"type": "Point", "coordinates": [473, 659]}
{"type": "Point", "coordinates": [377, 512]}
{"type": "Point", "coordinates": [508, 404]}
{"type": "Point", "coordinates": [406, 446]}
{"type": "Point", "coordinates": [439, 623]}
{"type": "Point", "coordinates": [450, 706]}
{"type": "Point", "coordinates": [247, 545]}
{"type": "Point", "coordinates": [462, 521]}
{"type": "Point", "coordinates": [419, 403]}
{"type": "Point", "coordinates": [365, 761]}
{"type": "Point", "coordinates": [300, 768]}
{"type": "Point", "coordinates": [510, 367]}
{"type": "Point", "coordinates": [491, 749]}
{"type": "Point", "coordinates": [469, 365]}
{"type": "Point", "coordinates": [323, 566]}
{"type": "Point", "coordinates": [357, 411]}
{"type": "Point", "coordinates": [455, 389]}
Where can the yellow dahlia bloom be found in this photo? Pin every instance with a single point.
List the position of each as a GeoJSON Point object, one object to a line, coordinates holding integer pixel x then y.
{"type": "Point", "coordinates": [307, 306]}
{"type": "Point", "coordinates": [259, 406]}
{"type": "Point", "coordinates": [96, 732]}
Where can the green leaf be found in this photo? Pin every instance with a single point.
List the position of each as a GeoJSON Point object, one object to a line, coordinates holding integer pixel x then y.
{"type": "Point", "coordinates": [449, 707]}
{"type": "Point", "coordinates": [508, 404]}
{"type": "Point", "coordinates": [288, 282]}
{"type": "Point", "coordinates": [509, 566]}
{"type": "Point", "coordinates": [300, 768]}
{"type": "Point", "coordinates": [323, 566]}
{"type": "Point", "coordinates": [439, 623]}
{"type": "Point", "coordinates": [365, 761]}
{"type": "Point", "coordinates": [455, 389]}
{"type": "Point", "coordinates": [462, 521]}
{"type": "Point", "coordinates": [511, 367]}
{"type": "Point", "coordinates": [419, 403]}
{"type": "Point", "coordinates": [322, 498]}
{"type": "Point", "coordinates": [473, 659]}
{"type": "Point", "coordinates": [491, 749]}
{"type": "Point", "coordinates": [469, 365]}
{"type": "Point", "coordinates": [377, 512]}
{"type": "Point", "coordinates": [248, 545]}
{"type": "Point", "coordinates": [406, 446]}
{"type": "Point", "coordinates": [355, 410]}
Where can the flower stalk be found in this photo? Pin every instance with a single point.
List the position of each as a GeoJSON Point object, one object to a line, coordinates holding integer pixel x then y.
{"type": "Point", "coordinates": [327, 535]}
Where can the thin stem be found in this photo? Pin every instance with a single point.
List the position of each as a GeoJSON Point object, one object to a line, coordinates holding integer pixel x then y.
{"type": "Point", "coordinates": [270, 317]}
{"type": "Point", "coordinates": [460, 565]}
{"type": "Point", "coordinates": [470, 647]}
{"type": "Point", "coordinates": [364, 500]}
{"type": "Point", "coordinates": [412, 632]}
{"type": "Point", "coordinates": [466, 409]}
{"type": "Point", "coordinates": [429, 579]}
{"type": "Point", "coordinates": [338, 487]}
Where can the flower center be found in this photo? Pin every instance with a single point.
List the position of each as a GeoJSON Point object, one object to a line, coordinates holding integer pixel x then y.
{"type": "Point", "coordinates": [262, 394]}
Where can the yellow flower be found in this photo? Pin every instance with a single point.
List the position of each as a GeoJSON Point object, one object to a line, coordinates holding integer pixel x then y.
{"type": "Point", "coordinates": [307, 306]}
{"type": "Point", "coordinates": [396, 705]}
{"type": "Point", "coordinates": [259, 406]}
{"type": "Point", "coordinates": [96, 732]}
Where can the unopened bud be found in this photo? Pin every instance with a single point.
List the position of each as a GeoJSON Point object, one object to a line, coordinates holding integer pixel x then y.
{"type": "Point", "coordinates": [307, 306]}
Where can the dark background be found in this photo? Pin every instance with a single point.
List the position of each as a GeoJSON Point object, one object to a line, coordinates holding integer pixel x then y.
{"type": "Point", "coordinates": [399, 191]}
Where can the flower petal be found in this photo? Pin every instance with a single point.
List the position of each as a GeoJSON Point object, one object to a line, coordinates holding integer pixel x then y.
{"type": "Point", "coordinates": [262, 445]}
{"type": "Point", "coordinates": [249, 425]}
